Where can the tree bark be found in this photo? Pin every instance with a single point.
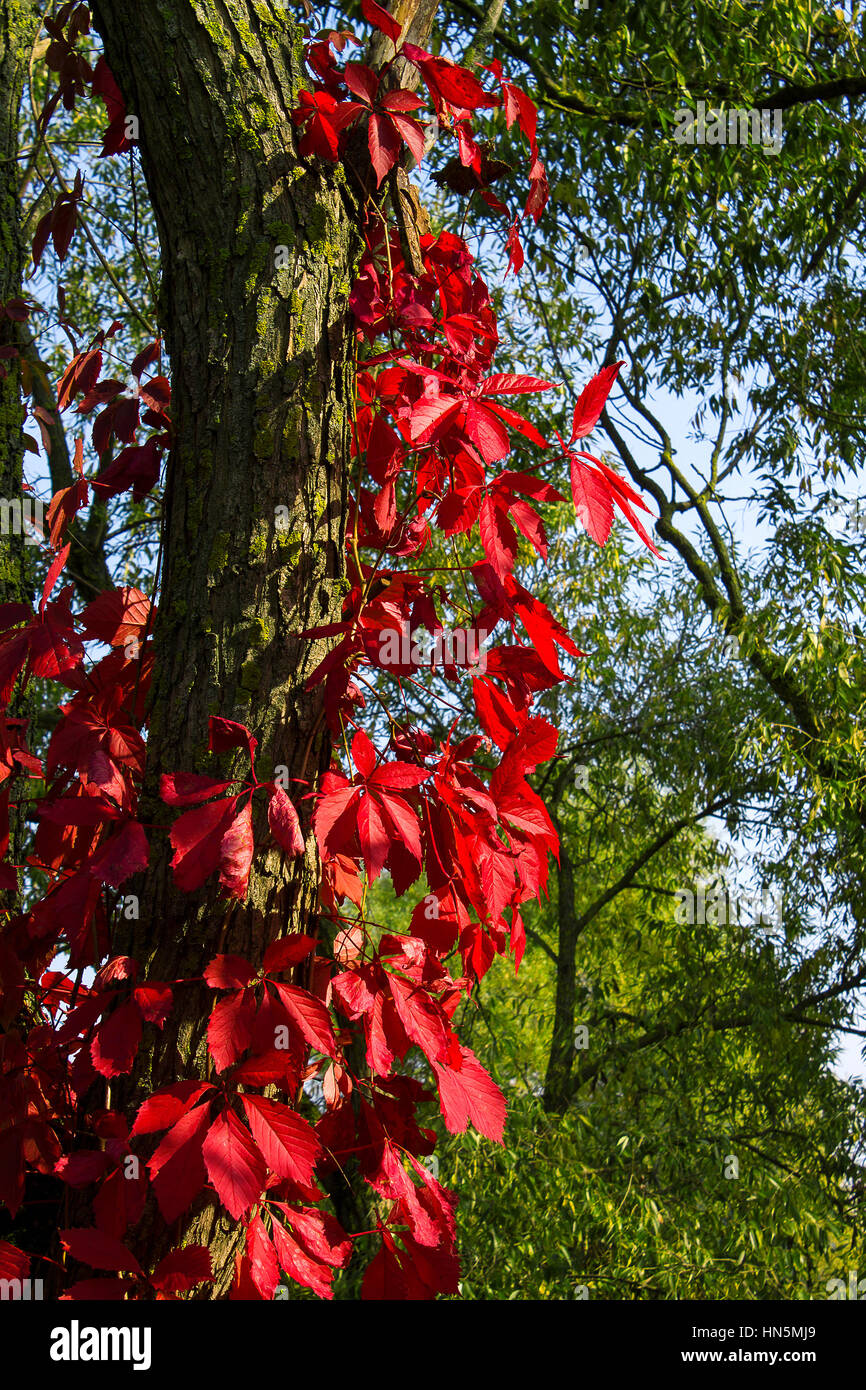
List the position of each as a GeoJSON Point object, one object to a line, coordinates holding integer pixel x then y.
{"type": "Point", "coordinates": [258, 257]}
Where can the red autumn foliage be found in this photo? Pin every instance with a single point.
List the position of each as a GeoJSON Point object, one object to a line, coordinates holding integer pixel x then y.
{"type": "Point", "coordinates": [432, 439]}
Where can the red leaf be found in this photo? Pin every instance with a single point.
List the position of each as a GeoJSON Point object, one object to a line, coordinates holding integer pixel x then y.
{"type": "Point", "coordinates": [63, 225]}
{"type": "Point", "coordinates": [384, 142]}
{"type": "Point", "coordinates": [290, 1147]}
{"type": "Point", "coordinates": [399, 1185]}
{"type": "Point", "coordinates": [590, 402]}
{"type": "Point", "coordinates": [445, 81]}
{"type": "Point", "coordinates": [363, 753]}
{"type": "Point", "coordinates": [324, 120]}
{"type": "Point", "coordinates": [228, 972]}
{"type": "Point", "coordinates": [530, 524]}
{"type": "Point", "coordinates": [98, 1250]}
{"type": "Point", "coordinates": [506, 383]}
{"type": "Point", "coordinates": [197, 839]}
{"type": "Point", "coordinates": [536, 743]}
{"type": "Point", "coordinates": [636, 525]}
{"type": "Point", "coordinates": [529, 486]}
{"type": "Point", "coordinates": [156, 394]}
{"type": "Point", "coordinates": [181, 1270]}
{"type": "Point", "coordinates": [321, 1234]}
{"type": "Point", "coordinates": [165, 1107]}
{"type": "Point", "coordinates": [125, 854]}
{"type": "Point", "coordinates": [310, 1015]}
{"type": "Point", "coordinates": [117, 615]}
{"type": "Point", "coordinates": [470, 1094]}
{"type": "Point", "coordinates": [408, 129]}
{"type": "Point", "coordinates": [284, 824]}
{"type": "Point", "coordinates": [498, 537]}
{"type": "Point", "coordinates": [145, 358]}
{"type": "Point", "coordinates": [177, 1170]}
{"type": "Point", "coordinates": [288, 951]}
{"type": "Point", "coordinates": [361, 81]}
{"type": "Point", "coordinates": [65, 504]}
{"type": "Point", "coordinates": [226, 733]}
{"type": "Point", "coordinates": [381, 19]}
{"type": "Point", "coordinates": [512, 241]}
{"type": "Point", "coordinates": [496, 714]}
{"type": "Point", "coordinates": [422, 1018]}
{"type": "Point", "coordinates": [184, 788]}
{"type": "Point", "coordinates": [119, 1203]}
{"type": "Point", "coordinates": [41, 235]}
{"type": "Point", "coordinates": [625, 497]}
{"type": "Point", "coordinates": [276, 1065]}
{"type": "Point", "coordinates": [234, 1164]}
{"type": "Point", "coordinates": [54, 571]}
{"type": "Point", "coordinates": [14, 1263]}
{"type": "Point", "coordinates": [264, 1269]}
{"type": "Point", "coordinates": [153, 1001]}
{"type": "Point", "coordinates": [375, 841]}
{"type": "Point", "coordinates": [97, 1290]}
{"type": "Point", "coordinates": [299, 1265]}
{"type": "Point", "coordinates": [404, 823]}
{"type": "Point", "coordinates": [539, 192]}
{"type": "Point", "coordinates": [229, 1029]}
{"type": "Point", "coordinates": [383, 1277]}
{"type": "Point", "coordinates": [430, 414]}
{"type": "Point", "coordinates": [517, 422]}
{"type": "Point", "coordinates": [483, 428]}
{"type": "Point", "coordinates": [592, 500]}
{"type": "Point", "coordinates": [116, 1041]}
{"type": "Point", "coordinates": [397, 775]}
{"type": "Point", "coordinates": [519, 107]}
{"type": "Point", "coordinates": [236, 853]}
{"type": "Point", "coordinates": [78, 1169]}
{"type": "Point", "coordinates": [334, 818]}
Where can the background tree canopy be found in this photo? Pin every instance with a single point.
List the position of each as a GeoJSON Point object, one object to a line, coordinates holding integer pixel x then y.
{"type": "Point", "coordinates": [681, 1125]}
{"type": "Point", "coordinates": [714, 732]}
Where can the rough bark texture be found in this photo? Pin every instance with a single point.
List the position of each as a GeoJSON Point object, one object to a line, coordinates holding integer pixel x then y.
{"type": "Point", "coordinates": [262, 385]}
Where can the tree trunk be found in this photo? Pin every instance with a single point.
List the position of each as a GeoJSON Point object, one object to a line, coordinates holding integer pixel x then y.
{"type": "Point", "coordinates": [258, 257]}
{"type": "Point", "coordinates": [560, 1062]}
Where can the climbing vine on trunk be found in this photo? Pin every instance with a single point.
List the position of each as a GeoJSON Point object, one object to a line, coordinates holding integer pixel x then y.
{"type": "Point", "coordinates": [207, 1040]}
